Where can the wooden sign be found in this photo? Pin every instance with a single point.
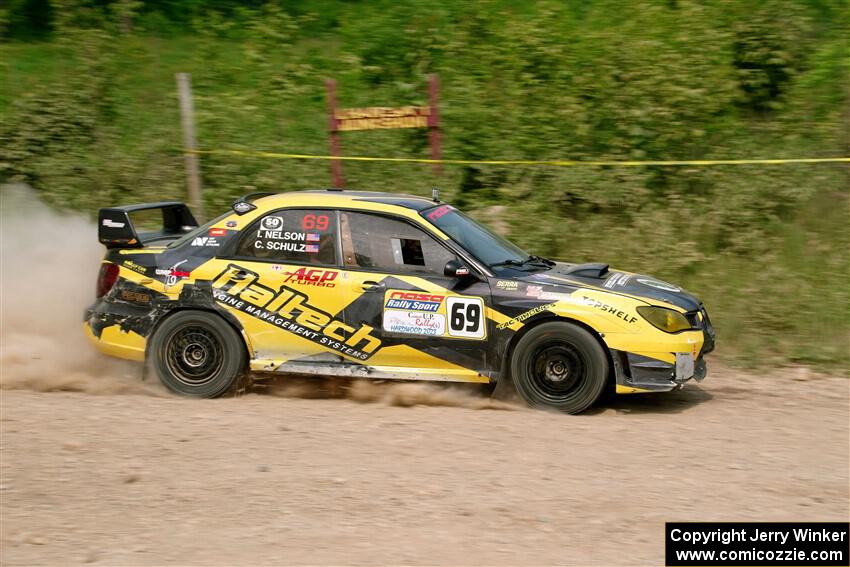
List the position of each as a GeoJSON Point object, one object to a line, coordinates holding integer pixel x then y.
{"type": "Point", "coordinates": [382, 118]}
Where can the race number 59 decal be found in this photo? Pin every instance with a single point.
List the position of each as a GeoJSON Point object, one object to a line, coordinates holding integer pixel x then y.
{"type": "Point", "coordinates": [466, 317]}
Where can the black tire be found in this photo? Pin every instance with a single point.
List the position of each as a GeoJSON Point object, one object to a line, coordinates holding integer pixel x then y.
{"type": "Point", "coordinates": [559, 366]}
{"type": "Point", "coordinates": [197, 354]}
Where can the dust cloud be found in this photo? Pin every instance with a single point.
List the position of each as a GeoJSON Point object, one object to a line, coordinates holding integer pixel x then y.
{"type": "Point", "coordinates": [390, 393]}
{"type": "Point", "coordinates": [48, 268]}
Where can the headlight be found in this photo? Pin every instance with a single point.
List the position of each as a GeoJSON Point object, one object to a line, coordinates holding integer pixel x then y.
{"type": "Point", "coordinates": [665, 319]}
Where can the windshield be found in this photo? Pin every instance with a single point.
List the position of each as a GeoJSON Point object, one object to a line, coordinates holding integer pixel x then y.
{"type": "Point", "coordinates": [196, 231]}
{"type": "Point", "coordinates": [487, 247]}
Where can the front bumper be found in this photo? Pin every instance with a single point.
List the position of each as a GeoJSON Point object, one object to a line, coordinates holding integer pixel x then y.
{"type": "Point", "coordinates": [637, 373]}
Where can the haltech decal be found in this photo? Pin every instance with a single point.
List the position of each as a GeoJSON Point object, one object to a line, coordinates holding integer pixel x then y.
{"type": "Point", "coordinates": [289, 310]}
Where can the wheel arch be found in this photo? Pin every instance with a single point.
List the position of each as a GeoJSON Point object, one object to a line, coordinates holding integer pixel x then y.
{"type": "Point", "coordinates": [229, 319]}
{"type": "Point", "coordinates": [555, 318]}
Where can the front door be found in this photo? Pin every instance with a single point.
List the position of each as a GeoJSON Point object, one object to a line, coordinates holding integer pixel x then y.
{"type": "Point", "coordinates": [283, 284]}
{"type": "Point", "coordinates": [430, 326]}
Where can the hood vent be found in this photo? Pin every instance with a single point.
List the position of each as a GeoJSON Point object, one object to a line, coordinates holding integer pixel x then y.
{"type": "Point", "coordinates": [598, 271]}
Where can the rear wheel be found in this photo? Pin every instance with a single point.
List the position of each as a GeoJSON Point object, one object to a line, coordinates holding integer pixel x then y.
{"type": "Point", "coordinates": [559, 366]}
{"type": "Point", "coordinates": [197, 354]}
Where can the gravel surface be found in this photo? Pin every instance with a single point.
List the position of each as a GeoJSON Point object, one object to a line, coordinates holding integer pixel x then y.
{"type": "Point", "coordinates": [97, 467]}
{"type": "Point", "coordinates": [410, 474]}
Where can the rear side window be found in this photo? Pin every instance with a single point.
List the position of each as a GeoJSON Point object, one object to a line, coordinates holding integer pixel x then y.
{"type": "Point", "coordinates": [388, 245]}
{"type": "Point", "coordinates": [295, 235]}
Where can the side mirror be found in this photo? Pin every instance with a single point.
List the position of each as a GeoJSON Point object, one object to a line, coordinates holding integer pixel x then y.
{"type": "Point", "coordinates": [454, 269]}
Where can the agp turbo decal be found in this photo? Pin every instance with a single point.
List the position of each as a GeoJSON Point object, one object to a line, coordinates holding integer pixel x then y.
{"type": "Point", "coordinates": [316, 277]}
{"type": "Point", "coordinates": [289, 310]}
{"type": "Point", "coordinates": [434, 315]}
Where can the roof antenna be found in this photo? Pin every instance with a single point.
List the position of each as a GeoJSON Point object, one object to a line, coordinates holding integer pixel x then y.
{"type": "Point", "coordinates": [435, 195]}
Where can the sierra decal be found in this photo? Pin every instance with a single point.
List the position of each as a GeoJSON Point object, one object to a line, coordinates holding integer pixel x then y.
{"type": "Point", "coordinates": [508, 285]}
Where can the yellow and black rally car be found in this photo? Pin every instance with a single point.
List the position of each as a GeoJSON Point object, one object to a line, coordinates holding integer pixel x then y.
{"type": "Point", "coordinates": [382, 286]}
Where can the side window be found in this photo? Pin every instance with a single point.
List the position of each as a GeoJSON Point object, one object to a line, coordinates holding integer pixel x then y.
{"type": "Point", "coordinates": [384, 244]}
{"type": "Point", "coordinates": [293, 235]}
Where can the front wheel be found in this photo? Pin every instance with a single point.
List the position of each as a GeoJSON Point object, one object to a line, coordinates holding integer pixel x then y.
{"type": "Point", "coordinates": [197, 354]}
{"type": "Point", "coordinates": [559, 366]}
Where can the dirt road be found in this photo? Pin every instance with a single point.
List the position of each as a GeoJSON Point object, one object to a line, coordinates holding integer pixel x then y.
{"type": "Point", "coordinates": [96, 467]}
{"type": "Point", "coordinates": [263, 479]}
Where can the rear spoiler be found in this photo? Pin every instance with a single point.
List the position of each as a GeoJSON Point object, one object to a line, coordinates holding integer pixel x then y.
{"type": "Point", "coordinates": [115, 228]}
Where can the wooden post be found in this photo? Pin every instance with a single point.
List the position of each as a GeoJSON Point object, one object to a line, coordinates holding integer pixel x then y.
{"type": "Point", "coordinates": [336, 165]}
{"type": "Point", "coordinates": [190, 143]}
{"type": "Point", "coordinates": [434, 120]}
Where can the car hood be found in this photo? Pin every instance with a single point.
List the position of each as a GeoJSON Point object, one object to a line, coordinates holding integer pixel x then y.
{"type": "Point", "coordinates": [599, 276]}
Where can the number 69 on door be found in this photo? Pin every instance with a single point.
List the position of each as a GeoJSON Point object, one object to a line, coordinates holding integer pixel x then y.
{"type": "Point", "coordinates": [466, 317]}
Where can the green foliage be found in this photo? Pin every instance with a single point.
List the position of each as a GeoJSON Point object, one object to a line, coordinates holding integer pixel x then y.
{"type": "Point", "coordinates": [769, 49]}
{"type": "Point", "coordinates": [90, 118]}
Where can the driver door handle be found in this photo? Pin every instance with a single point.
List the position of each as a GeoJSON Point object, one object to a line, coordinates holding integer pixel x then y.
{"type": "Point", "coordinates": [370, 286]}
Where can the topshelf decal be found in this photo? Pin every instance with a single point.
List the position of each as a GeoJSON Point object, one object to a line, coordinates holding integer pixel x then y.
{"type": "Point", "coordinates": [434, 315]}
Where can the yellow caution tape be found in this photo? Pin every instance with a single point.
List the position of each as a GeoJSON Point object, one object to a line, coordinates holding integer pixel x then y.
{"type": "Point", "coordinates": [556, 163]}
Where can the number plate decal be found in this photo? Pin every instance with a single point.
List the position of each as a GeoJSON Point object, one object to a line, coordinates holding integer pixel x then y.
{"type": "Point", "coordinates": [433, 314]}
{"type": "Point", "coordinates": [466, 317]}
